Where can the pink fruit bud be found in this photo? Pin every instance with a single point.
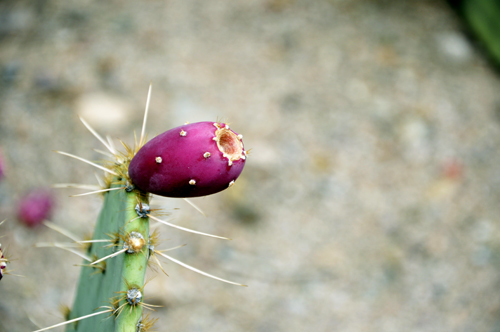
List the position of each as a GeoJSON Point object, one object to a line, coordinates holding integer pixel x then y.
{"type": "Point", "coordinates": [35, 207]}
{"type": "Point", "coordinates": [2, 171]}
{"type": "Point", "coordinates": [196, 159]}
{"type": "Point", "coordinates": [3, 263]}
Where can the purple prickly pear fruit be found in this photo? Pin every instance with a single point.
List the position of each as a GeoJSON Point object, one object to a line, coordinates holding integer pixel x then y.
{"type": "Point", "coordinates": [196, 159]}
{"type": "Point", "coordinates": [3, 262]}
{"type": "Point", "coordinates": [2, 171]}
{"type": "Point", "coordinates": [35, 207]}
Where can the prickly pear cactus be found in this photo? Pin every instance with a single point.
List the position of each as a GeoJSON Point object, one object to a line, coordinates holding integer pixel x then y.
{"type": "Point", "coordinates": [196, 159]}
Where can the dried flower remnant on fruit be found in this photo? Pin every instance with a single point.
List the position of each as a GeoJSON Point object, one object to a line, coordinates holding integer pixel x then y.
{"type": "Point", "coordinates": [35, 207]}
{"type": "Point", "coordinates": [199, 164]}
{"type": "Point", "coordinates": [229, 143]}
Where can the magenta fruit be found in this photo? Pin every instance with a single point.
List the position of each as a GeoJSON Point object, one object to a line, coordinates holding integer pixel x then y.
{"type": "Point", "coordinates": [35, 207]}
{"type": "Point", "coordinates": [2, 171]}
{"type": "Point", "coordinates": [3, 263]}
{"type": "Point", "coordinates": [196, 159]}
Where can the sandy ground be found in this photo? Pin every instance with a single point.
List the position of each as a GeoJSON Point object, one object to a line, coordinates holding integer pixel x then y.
{"type": "Point", "coordinates": [370, 198]}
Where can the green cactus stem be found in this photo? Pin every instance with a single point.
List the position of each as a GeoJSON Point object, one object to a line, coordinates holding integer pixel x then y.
{"type": "Point", "coordinates": [101, 285]}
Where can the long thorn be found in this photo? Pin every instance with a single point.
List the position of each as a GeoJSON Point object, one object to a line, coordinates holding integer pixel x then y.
{"type": "Point", "coordinates": [196, 270]}
{"type": "Point", "coordinates": [173, 248]}
{"type": "Point", "coordinates": [150, 306]}
{"type": "Point", "coordinates": [86, 161]}
{"type": "Point", "coordinates": [195, 206]}
{"type": "Point", "coordinates": [157, 261]}
{"type": "Point", "coordinates": [145, 115]}
{"type": "Point", "coordinates": [110, 142]}
{"type": "Point", "coordinates": [186, 229]}
{"type": "Point", "coordinates": [97, 192]}
{"type": "Point", "coordinates": [61, 230]}
{"type": "Point", "coordinates": [100, 181]}
{"type": "Point", "coordinates": [104, 153]}
{"type": "Point", "coordinates": [97, 135]}
{"type": "Point", "coordinates": [76, 186]}
{"type": "Point", "coordinates": [109, 256]}
{"type": "Point", "coordinates": [94, 241]}
{"type": "Point", "coordinates": [58, 245]}
{"type": "Point", "coordinates": [73, 320]}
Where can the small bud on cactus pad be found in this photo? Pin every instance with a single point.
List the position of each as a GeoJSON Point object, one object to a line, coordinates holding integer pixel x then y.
{"type": "Point", "coordinates": [35, 207]}
{"type": "Point", "coordinates": [196, 159]}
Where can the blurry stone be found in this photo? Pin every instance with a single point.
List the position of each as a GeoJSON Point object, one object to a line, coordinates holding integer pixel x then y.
{"type": "Point", "coordinates": [454, 46]}
{"type": "Point", "coordinates": [53, 86]}
{"type": "Point", "coordinates": [35, 207]}
{"type": "Point", "coordinates": [106, 68]}
{"type": "Point", "coordinates": [278, 5]}
{"type": "Point", "coordinates": [415, 136]}
{"type": "Point", "coordinates": [45, 82]}
{"type": "Point", "coordinates": [9, 73]}
{"type": "Point", "coordinates": [2, 168]}
{"type": "Point", "coordinates": [74, 19]}
{"type": "Point", "coordinates": [103, 111]}
{"type": "Point", "coordinates": [448, 183]}
{"type": "Point", "coordinates": [452, 169]}
{"type": "Point", "coordinates": [13, 21]}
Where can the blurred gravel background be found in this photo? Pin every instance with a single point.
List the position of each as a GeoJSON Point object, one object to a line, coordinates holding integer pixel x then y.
{"type": "Point", "coordinates": [370, 200]}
